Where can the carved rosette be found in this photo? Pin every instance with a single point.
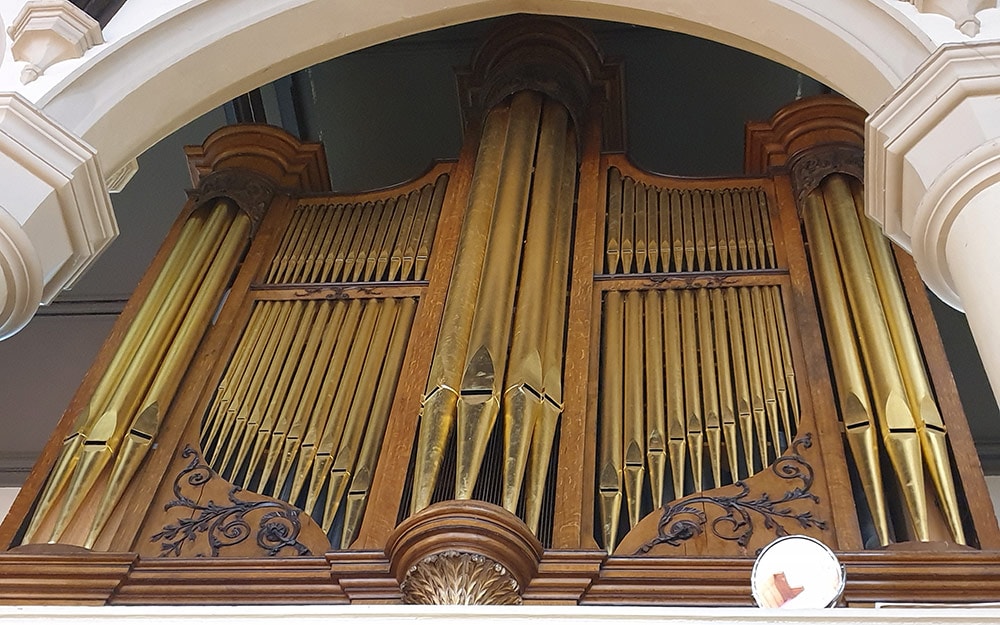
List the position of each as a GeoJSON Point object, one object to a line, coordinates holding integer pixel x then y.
{"type": "Point", "coordinates": [463, 552]}
{"type": "Point", "coordinates": [459, 578]}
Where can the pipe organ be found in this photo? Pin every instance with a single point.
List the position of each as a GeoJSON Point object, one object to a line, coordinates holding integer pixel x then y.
{"type": "Point", "coordinates": [536, 374]}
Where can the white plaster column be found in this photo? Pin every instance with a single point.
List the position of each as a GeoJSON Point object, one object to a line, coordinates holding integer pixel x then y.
{"type": "Point", "coordinates": [933, 181]}
{"type": "Point", "coordinates": [55, 213]}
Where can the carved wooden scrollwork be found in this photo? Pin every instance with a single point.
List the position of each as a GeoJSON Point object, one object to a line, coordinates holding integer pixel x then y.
{"type": "Point", "coordinates": [811, 167]}
{"type": "Point", "coordinates": [250, 191]}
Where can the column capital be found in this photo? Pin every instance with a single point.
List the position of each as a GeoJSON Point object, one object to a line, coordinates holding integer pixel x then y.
{"type": "Point", "coordinates": [930, 148]}
{"type": "Point", "coordinates": [57, 215]}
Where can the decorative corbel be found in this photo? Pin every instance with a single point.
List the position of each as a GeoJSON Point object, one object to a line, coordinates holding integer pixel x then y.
{"type": "Point", "coordinates": [48, 31]}
{"type": "Point", "coordinates": [962, 12]}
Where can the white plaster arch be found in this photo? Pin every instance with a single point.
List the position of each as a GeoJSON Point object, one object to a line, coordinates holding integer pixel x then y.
{"type": "Point", "coordinates": [162, 73]}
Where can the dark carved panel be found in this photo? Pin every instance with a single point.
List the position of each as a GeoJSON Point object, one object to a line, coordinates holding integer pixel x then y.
{"type": "Point", "coordinates": [810, 168]}
{"type": "Point", "coordinates": [250, 191]}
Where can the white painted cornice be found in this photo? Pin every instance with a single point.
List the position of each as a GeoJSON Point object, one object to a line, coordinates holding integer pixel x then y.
{"type": "Point", "coordinates": [46, 32]}
{"type": "Point", "coordinates": [962, 12]}
{"type": "Point", "coordinates": [54, 192]}
{"type": "Point", "coordinates": [932, 137]}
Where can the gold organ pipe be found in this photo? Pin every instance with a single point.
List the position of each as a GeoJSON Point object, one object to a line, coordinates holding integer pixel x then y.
{"type": "Point", "coordinates": [732, 237]}
{"type": "Point", "coordinates": [523, 396]}
{"type": "Point", "coordinates": [367, 242]}
{"type": "Point", "coordinates": [656, 428]}
{"type": "Point", "coordinates": [357, 494]}
{"type": "Point", "coordinates": [754, 368]}
{"type": "Point", "coordinates": [278, 406]}
{"type": "Point", "coordinates": [260, 416]}
{"type": "Point", "coordinates": [362, 237]}
{"type": "Point", "coordinates": [609, 481]}
{"type": "Point", "coordinates": [361, 407]}
{"type": "Point", "coordinates": [344, 244]}
{"type": "Point", "coordinates": [722, 231]}
{"type": "Point", "coordinates": [698, 217]}
{"type": "Point", "coordinates": [398, 206]}
{"type": "Point", "coordinates": [752, 206]}
{"type": "Point", "coordinates": [930, 426]}
{"type": "Point", "coordinates": [687, 218]}
{"type": "Point", "coordinates": [318, 239]}
{"type": "Point", "coordinates": [674, 204]}
{"type": "Point", "coordinates": [754, 243]}
{"type": "Point", "coordinates": [227, 416]}
{"type": "Point", "coordinates": [322, 417]}
{"type": "Point", "coordinates": [337, 420]}
{"type": "Point", "coordinates": [741, 383]}
{"type": "Point", "coordinates": [633, 437]}
{"type": "Point", "coordinates": [543, 437]}
{"type": "Point", "coordinates": [628, 224]}
{"type": "Point", "coordinates": [410, 248]}
{"type": "Point", "coordinates": [146, 423]}
{"type": "Point", "coordinates": [727, 409]}
{"type": "Point", "coordinates": [777, 360]}
{"type": "Point", "coordinates": [327, 328]}
{"type": "Point", "coordinates": [676, 424]}
{"type": "Point", "coordinates": [396, 260]}
{"type": "Point", "coordinates": [337, 218]}
{"type": "Point", "coordinates": [430, 227]}
{"type": "Point", "coordinates": [742, 244]}
{"type": "Point", "coordinates": [486, 358]}
{"type": "Point", "coordinates": [711, 232]}
{"type": "Point", "coordinates": [692, 391]}
{"type": "Point", "coordinates": [381, 231]}
{"type": "Point", "coordinates": [287, 241]}
{"type": "Point", "coordinates": [295, 257]}
{"type": "Point", "coordinates": [652, 229]}
{"type": "Point", "coordinates": [641, 232]}
{"type": "Point", "coordinates": [765, 216]}
{"type": "Point", "coordinates": [105, 429]}
{"type": "Point", "coordinates": [344, 225]}
{"type": "Point", "coordinates": [614, 225]}
{"type": "Point", "coordinates": [69, 454]}
{"type": "Point", "coordinates": [765, 354]}
{"type": "Point", "coordinates": [891, 407]}
{"type": "Point", "coordinates": [437, 414]}
{"type": "Point", "coordinates": [290, 409]}
{"type": "Point", "coordinates": [786, 352]}
{"type": "Point", "coordinates": [709, 385]}
{"type": "Point", "coordinates": [852, 388]}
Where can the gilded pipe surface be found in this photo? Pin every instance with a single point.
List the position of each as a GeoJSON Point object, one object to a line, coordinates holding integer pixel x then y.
{"type": "Point", "coordinates": [786, 352]}
{"type": "Point", "coordinates": [652, 228]}
{"type": "Point", "coordinates": [357, 494]}
{"type": "Point", "coordinates": [337, 218]}
{"type": "Point", "coordinates": [382, 230]}
{"type": "Point", "coordinates": [275, 410]}
{"type": "Point", "coordinates": [754, 242]}
{"type": "Point", "coordinates": [760, 225]}
{"type": "Point", "coordinates": [543, 437]}
{"type": "Point", "coordinates": [106, 428]}
{"type": "Point", "coordinates": [754, 368]}
{"type": "Point", "coordinates": [732, 236]}
{"type": "Point", "coordinates": [613, 227]}
{"type": "Point", "coordinates": [146, 423]}
{"type": "Point", "coordinates": [711, 232]}
{"type": "Point", "coordinates": [326, 444]}
{"type": "Point", "coordinates": [322, 416]}
{"type": "Point", "coordinates": [676, 423]}
{"type": "Point", "coordinates": [398, 207]}
{"type": "Point", "coordinates": [633, 437]}
{"type": "Point", "coordinates": [328, 327]}
{"type": "Point", "coordinates": [430, 227]}
{"type": "Point", "coordinates": [673, 201]}
{"type": "Point", "coordinates": [257, 339]}
{"type": "Point", "coordinates": [852, 387]}
{"type": "Point", "coordinates": [741, 383]}
{"type": "Point", "coordinates": [727, 406]}
{"type": "Point", "coordinates": [346, 224]}
{"type": "Point", "coordinates": [721, 231]}
{"type": "Point", "coordinates": [709, 385]}
{"type": "Point", "coordinates": [641, 237]}
{"type": "Point", "coordinates": [656, 428]}
{"type": "Point", "coordinates": [609, 462]}
{"type": "Point", "coordinates": [777, 361]}
{"type": "Point", "coordinates": [523, 397]}
{"type": "Point", "coordinates": [765, 353]}
{"type": "Point", "coordinates": [361, 406]}
{"type": "Point", "coordinates": [73, 443]}
{"type": "Point", "coordinates": [292, 231]}
{"type": "Point", "coordinates": [301, 243]}
{"type": "Point", "coordinates": [930, 425]}
{"type": "Point", "coordinates": [765, 217]}
{"type": "Point", "coordinates": [742, 244]}
{"type": "Point", "coordinates": [437, 413]}
{"type": "Point", "coordinates": [628, 225]}
{"type": "Point", "coordinates": [291, 409]}
{"type": "Point", "coordinates": [344, 244]}
{"type": "Point", "coordinates": [486, 358]}
{"type": "Point", "coordinates": [416, 230]}
{"type": "Point", "coordinates": [362, 237]}
{"type": "Point", "coordinates": [891, 406]}
{"type": "Point", "coordinates": [397, 259]}
{"type": "Point", "coordinates": [698, 217]}
{"type": "Point", "coordinates": [687, 220]}
{"type": "Point", "coordinates": [319, 238]}
{"type": "Point", "coordinates": [367, 241]}
{"type": "Point", "coordinates": [692, 388]}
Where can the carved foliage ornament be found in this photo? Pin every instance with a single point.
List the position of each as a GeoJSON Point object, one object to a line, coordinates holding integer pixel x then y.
{"type": "Point", "coordinates": [228, 524]}
{"type": "Point", "coordinates": [808, 169]}
{"type": "Point", "coordinates": [250, 191]}
{"type": "Point", "coordinates": [739, 513]}
{"type": "Point", "coordinates": [458, 578]}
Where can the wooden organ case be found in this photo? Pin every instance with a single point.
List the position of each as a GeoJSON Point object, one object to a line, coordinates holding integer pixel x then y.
{"type": "Point", "coordinates": [537, 374]}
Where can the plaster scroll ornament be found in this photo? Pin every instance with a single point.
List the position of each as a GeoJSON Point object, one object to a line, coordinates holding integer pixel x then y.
{"type": "Point", "coordinates": [46, 32]}
{"type": "Point", "coordinates": [963, 12]}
